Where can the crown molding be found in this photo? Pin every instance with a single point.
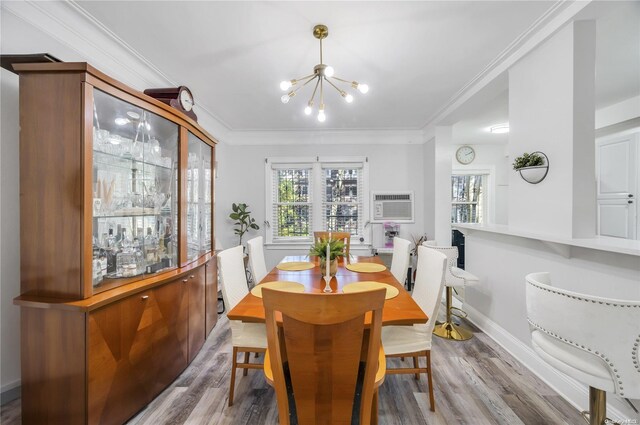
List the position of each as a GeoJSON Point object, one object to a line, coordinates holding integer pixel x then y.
{"type": "Point", "coordinates": [551, 21]}
{"type": "Point", "coordinates": [76, 29]}
{"type": "Point", "coordinates": [326, 137]}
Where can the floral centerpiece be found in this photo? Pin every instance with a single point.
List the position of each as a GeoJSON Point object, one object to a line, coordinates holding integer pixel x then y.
{"type": "Point", "coordinates": [333, 247]}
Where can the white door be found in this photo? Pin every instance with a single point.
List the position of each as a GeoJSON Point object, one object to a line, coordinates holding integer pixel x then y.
{"type": "Point", "coordinates": [617, 182]}
{"type": "Point", "coordinates": [616, 217]}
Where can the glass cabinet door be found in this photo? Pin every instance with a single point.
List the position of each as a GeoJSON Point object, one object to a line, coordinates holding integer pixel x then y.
{"type": "Point", "coordinates": [135, 191]}
{"type": "Point", "coordinates": [199, 200]}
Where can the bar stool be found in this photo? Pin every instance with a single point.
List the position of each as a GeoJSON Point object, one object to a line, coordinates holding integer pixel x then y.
{"type": "Point", "coordinates": [454, 277]}
{"type": "Point", "coordinates": [592, 339]}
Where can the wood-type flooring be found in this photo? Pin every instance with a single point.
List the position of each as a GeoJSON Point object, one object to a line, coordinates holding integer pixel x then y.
{"type": "Point", "coordinates": [476, 383]}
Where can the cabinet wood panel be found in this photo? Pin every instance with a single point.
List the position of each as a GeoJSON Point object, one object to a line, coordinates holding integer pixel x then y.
{"type": "Point", "coordinates": [52, 366]}
{"type": "Point", "coordinates": [170, 351]}
{"type": "Point", "coordinates": [196, 312]}
{"type": "Point", "coordinates": [211, 294]}
{"type": "Point", "coordinates": [120, 358]}
{"type": "Point", "coordinates": [51, 175]}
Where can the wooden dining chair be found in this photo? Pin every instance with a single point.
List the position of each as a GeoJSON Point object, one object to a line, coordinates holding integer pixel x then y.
{"type": "Point", "coordinates": [245, 337]}
{"type": "Point", "coordinates": [415, 341]}
{"type": "Point", "coordinates": [345, 236]}
{"type": "Point", "coordinates": [324, 366]}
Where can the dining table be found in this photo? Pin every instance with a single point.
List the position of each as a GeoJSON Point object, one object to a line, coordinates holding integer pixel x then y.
{"type": "Point", "coordinates": [399, 310]}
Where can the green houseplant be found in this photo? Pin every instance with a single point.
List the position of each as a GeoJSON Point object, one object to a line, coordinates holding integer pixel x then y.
{"type": "Point", "coordinates": [243, 221]}
{"type": "Point", "coordinates": [528, 160]}
{"type": "Point", "coordinates": [336, 250]}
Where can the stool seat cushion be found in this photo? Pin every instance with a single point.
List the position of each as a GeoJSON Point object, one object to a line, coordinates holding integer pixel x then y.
{"type": "Point", "coordinates": [575, 362]}
{"type": "Point", "coordinates": [248, 334]}
{"type": "Point", "coordinates": [406, 339]}
{"type": "Point", "coordinates": [463, 274]}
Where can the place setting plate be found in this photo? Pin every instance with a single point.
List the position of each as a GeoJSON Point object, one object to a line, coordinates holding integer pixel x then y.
{"type": "Point", "coordinates": [280, 285]}
{"type": "Point", "coordinates": [295, 266]}
{"type": "Point", "coordinates": [355, 287]}
{"type": "Point", "coordinates": [366, 267]}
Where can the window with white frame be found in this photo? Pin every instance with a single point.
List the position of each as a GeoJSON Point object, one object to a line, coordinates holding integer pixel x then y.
{"type": "Point", "coordinates": [305, 195]}
{"type": "Point", "coordinates": [468, 203]}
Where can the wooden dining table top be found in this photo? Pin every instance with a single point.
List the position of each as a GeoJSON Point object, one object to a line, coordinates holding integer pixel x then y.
{"type": "Point", "coordinates": [400, 310]}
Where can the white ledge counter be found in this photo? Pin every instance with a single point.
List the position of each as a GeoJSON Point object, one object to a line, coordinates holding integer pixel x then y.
{"type": "Point", "coordinates": [600, 243]}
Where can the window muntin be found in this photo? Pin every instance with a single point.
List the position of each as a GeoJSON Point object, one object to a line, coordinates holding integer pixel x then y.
{"type": "Point", "coordinates": [467, 198]}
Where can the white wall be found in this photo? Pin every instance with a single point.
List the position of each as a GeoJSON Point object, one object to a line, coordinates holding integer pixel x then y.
{"type": "Point", "coordinates": [549, 101]}
{"type": "Point", "coordinates": [9, 233]}
{"type": "Point", "coordinates": [241, 179]}
{"type": "Point", "coordinates": [491, 157]}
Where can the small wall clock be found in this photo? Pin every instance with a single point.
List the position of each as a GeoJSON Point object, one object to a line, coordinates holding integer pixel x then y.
{"type": "Point", "coordinates": [180, 98]}
{"type": "Point", "coordinates": [465, 155]}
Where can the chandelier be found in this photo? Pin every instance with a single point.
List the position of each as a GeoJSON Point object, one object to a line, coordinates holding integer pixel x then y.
{"type": "Point", "coordinates": [321, 73]}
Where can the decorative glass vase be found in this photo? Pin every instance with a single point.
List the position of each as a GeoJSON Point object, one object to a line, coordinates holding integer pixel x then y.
{"type": "Point", "coordinates": [333, 266]}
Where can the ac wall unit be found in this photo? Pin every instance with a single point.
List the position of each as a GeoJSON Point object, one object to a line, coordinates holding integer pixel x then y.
{"type": "Point", "coordinates": [392, 206]}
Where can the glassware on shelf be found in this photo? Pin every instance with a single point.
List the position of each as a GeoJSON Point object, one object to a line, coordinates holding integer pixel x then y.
{"type": "Point", "coordinates": [150, 247]}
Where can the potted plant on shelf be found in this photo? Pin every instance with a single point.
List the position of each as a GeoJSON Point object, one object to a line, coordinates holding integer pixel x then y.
{"type": "Point", "coordinates": [336, 250]}
{"type": "Point", "coordinates": [243, 220]}
{"type": "Point", "coordinates": [533, 167]}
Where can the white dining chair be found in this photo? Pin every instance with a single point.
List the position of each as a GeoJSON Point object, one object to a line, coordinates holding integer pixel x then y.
{"type": "Point", "coordinates": [454, 277]}
{"type": "Point", "coordinates": [245, 337]}
{"type": "Point", "coordinates": [415, 341]}
{"type": "Point", "coordinates": [592, 339]}
{"type": "Point", "coordinates": [257, 264]}
{"type": "Point", "coordinates": [400, 259]}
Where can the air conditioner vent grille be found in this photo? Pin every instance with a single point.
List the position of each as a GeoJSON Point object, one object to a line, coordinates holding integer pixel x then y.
{"type": "Point", "coordinates": [395, 197]}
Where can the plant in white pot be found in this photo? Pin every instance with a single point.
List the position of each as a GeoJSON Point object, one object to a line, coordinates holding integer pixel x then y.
{"type": "Point", "coordinates": [243, 220]}
{"type": "Point", "coordinates": [533, 167]}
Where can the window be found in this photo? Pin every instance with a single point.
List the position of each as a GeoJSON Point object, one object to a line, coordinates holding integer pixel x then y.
{"type": "Point", "coordinates": [315, 194]}
{"type": "Point", "coordinates": [468, 198]}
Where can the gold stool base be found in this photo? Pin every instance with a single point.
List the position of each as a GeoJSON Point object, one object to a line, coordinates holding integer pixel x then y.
{"type": "Point", "coordinates": [449, 330]}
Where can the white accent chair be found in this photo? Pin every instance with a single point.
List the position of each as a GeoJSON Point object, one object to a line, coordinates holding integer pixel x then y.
{"type": "Point", "coordinates": [415, 341]}
{"type": "Point", "coordinates": [257, 265]}
{"type": "Point", "coordinates": [454, 277]}
{"type": "Point", "coordinates": [245, 337]}
{"type": "Point", "coordinates": [400, 259]}
{"type": "Point", "coordinates": [592, 339]}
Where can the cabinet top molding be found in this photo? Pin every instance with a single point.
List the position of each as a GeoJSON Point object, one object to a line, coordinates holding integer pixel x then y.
{"type": "Point", "coordinates": [62, 67]}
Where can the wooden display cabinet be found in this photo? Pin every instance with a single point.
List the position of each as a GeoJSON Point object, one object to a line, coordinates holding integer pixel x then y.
{"type": "Point", "coordinates": [118, 276]}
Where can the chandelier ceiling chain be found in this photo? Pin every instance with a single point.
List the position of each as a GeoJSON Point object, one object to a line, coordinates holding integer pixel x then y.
{"type": "Point", "coordinates": [321, 73]}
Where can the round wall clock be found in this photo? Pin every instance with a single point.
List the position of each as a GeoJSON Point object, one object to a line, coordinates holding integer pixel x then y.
{"type": "Point", "coordinates": [465, 155]}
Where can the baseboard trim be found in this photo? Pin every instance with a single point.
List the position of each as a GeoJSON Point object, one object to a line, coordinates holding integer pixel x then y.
{"type": "Point", "coordinates": [10, 392]}
{"type": "Point", "coordinates": [571, 390]}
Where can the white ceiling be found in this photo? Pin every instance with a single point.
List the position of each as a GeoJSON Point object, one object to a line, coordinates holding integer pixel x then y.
{"type": "Point", "coordinates": [617, 74]}
{"type": "Point", "coordinates": [414, 55]}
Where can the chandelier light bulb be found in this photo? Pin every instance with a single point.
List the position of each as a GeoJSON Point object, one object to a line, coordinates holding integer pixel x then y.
{"type": "Point", "coordinates": [285, 98]}
{"type": "Point", "coordinates": [329, 71]}
{"type": "Point", "coordinates": [285, 85]}
{"type": "Point", "coordinates": [308, 110]}
{"type": "Point", "coordinates": [363, 88]}
{"type": "Point", "coordinates": [321, 116]}
{"type": "Point", "coordinates": [348, 98]}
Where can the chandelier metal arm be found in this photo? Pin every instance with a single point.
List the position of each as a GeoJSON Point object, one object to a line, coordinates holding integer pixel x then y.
{"type": "Point", "coordinates": [334, 86]}
{"type": "Point", "coordinates": [303, 78]}
{"type": "Point", "coordinates": [305, 83]}
{"type": "Point", "coordinates": [314, 92]}
{"type": "Point", "coordinates": [345, 81]}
